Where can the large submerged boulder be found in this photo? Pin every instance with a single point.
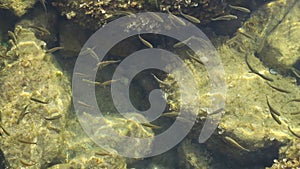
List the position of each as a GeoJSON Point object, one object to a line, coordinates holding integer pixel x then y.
{"type": "Point", "coordinates": [260, 115]}
{"type": "Point", "coordinates": [35, 99]}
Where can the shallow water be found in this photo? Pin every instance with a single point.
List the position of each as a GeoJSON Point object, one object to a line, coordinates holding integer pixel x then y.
{"type": "Point", "coordinates": [143, 91]}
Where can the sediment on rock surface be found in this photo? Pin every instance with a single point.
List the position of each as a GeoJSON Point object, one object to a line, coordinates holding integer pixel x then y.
{"type": "Point", "coordinates": [18, 7]}
{"type": "Point", "coordinates": [34, 106]}
{"type": "Point", "coordinates": [248, 132]}
{"type": "Point", "coordinates": [93, 14]}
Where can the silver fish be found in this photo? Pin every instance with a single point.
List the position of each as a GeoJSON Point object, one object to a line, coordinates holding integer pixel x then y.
{"type": "Point", "coordinates": [225, 18]}
{"type": "Point", "coordinates": [240, 8]}
{"type": "Point", "coordinates": [43, 2]}
{"type": "Point", "coordinates": [189, 17]}
{"type": "Point", "coordinates": [145, 42]}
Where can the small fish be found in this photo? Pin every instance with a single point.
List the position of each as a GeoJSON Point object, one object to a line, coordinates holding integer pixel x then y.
{"type": "Point", "coordinates": [189, 17]}
{"type": "Point", "coordinates": [103, 154]}
{"type": "Point", "coordinates": [43, 2]}
{"type": "Point", "coordinates": [38, 100]}
{"type": "Point", "coordinates": [52, 50]}
{"type": "Point", "coordinates": [146, 43]}
{"type": "Point", "coordinates": [274, 113]}
{"type": "Point", "coordinates": [57, 130]}
{"type": "Point", "coordinates": [41, 29]}
{"type": "Point", "coordinates": [278, 89]}
{"type": "Point", "coordinates": [295, 113]}
{"type": "Point", "coordinates": [53, 116]}
{"type": "Point", "coordinates": [26, 142]}
{"type": "Point", "coordinates": [170, 114]}
{"type": "Point", "coordinates": [106, 83]}
{"type": "Point", "coordinates": [81, 74]}
{"type": "Point", "coordinates": [23, 113]}
{"type": "Point", "coordinates": [105, 63]}
{"type": "Point", "coordinates": [276, 118]}
{"type": "Point", "coordinates": [256, 72]}
{"type": "Point", "coordinates": [225, 18]}
{"type": "Point", "coordinates": [91, 82]}
{"type": "Point", "coordinates": [272, 110]}
{"type": "Point", "coordinates": [4, 130]}
{"type": "Point", "coordinates": [179, 44]}
{"type": "Point", "coordinates": [175, 18]}
{"type": "Point", "coordinates": [240, 8]}
{"type": "Point", "coordinates": [294, 100]}
{"type": "Point", "coordinates": [91, 52]}
{"type": "Point", "coordinates": [243, 32]}
{"type": "Point", "coordinates": [194, 58]}
{"type": "Point", "coordinates": [234, 143]}
{"type": "Point", "coordinates": [157, 17]}
{"type": "Point", "coordinates": [27, 164]}
{"type": "Point", "coordinates": [153, 126]}
{"type": "Point", "coordinates": [220, 110]}
{"type": "Point", "coordinates": [85, 104]}
{"type": "Point", "coordinates": [182, 43]}
{"type": "Point", "coordinates": [296, 72]}
{"type": "Point", "coordinates": [294, 133]}
{"type": "Point", "coordinates": [159, 81]}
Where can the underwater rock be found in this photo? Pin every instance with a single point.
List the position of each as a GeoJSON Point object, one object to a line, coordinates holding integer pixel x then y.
{"type": "Point", "coordinates": [193, 155]}
{"type": "Point", "coordinates": [93, 14]}
{"type": "Point", "coordinates": [93, 163]}
{"type": "Point", "coordinates": [122, 127]}
{"type": "Point", "coordinates": [36, 128]}
{"type": "Point", "coordinates": [3, 162]}
{"type": "Point", "coordinates": [291, 150]}
{"type": "Point", "coordinates": [281, 49]}
{"type": "Point", "coordinates": [82, 152]}
{"type": "Point", "coordinates": [167, 160]}
{"type": "Point", "coordinates": [71, 44]}
{"type": "Point", "coordinates": [43, 24]}
{"type": "Point", "coordinates": [258, 104]}
{"type": "Point", "coordinates": [34, 106]}
{"type": "Point", "coordinates": [19, 7]}
{"type": "Point", "coordinates": [286, 163]}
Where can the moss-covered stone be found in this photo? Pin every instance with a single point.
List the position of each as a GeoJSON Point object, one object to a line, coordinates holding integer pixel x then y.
{"type": "Point", "coordinates": [19, 7]}
{"type": "Point", "coordinates": [247, 131]}
{"type": "Point", "coordinates": [93, 14]}
{"type": "Point", "coordinates": [281, 49]}
{"type": "Point", "coordinates": [193, 155]}
{"type": "Point", "coordinates": [34, 106]}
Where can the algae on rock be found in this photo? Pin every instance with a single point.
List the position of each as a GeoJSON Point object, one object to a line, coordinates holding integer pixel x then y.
{"type": "Point", "coordinates": [81, 152]}
{"type": "Point", "coordinates": [19, 7]}
{"type": "Point", "coordinates": [92, 14]}
{"type": "Point", "coordinates": [281, 49]}
{"type": "Point", "coordinates": [247, 126]}
{"type": "Point", "coordinates": [35, 111]}
{"type": "Point", "coordinates": [193, 155]}
{"type": "Point", "coordinates": [35, 99]}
